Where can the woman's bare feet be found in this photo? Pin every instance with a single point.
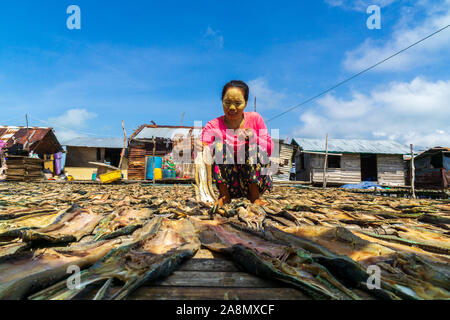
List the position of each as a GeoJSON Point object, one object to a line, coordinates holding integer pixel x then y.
{"type": "Point", "coordinates": [260, 202]}
{"type": "Point", "coordinates": [224, 195]}
{"type": "Point", "coordinates": [223, 200]}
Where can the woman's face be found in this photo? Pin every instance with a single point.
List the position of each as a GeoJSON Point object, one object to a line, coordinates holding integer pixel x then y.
{"type": "Point", "coordinates": [234, 103]}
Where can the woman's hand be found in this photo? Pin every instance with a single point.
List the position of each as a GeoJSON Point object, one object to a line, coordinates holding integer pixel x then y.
{"type": "Point", "coordinates": [246, 133]}
{"type": "Point", "coordinates": [199, 145]}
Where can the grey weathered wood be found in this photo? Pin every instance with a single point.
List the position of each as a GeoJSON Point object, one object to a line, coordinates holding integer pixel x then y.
{"type": "Point", "coordinates": [208, 265]}
{"type": "Point", "coordinates": [215, 279]}
{"type": "Point", "coordinates": [201, 293]}
{"type": "Point", "coordinates": [122, 153]}
{"type": "Point", "coordinates": [390, 170]}
{"type": "Point", "coordinates": [325, 163]}
{"type": "Point", "coordinates": [413, 172]}
{"type": "Point", "coordinates": [154, 150]}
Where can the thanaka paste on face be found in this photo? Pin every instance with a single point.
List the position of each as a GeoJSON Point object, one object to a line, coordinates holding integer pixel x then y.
{"type": "Point", "coordinates": [234, 104]}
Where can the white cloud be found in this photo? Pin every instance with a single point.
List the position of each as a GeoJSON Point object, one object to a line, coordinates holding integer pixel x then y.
{"type": "Point", "coordinates": [358, 5]}
{"type": "Point", "coordinates": [407, 31]}
{"type": "Point", "coordinates": [412, 112]}
{"type": "Point", "coordinates": [67, 126]}
{"type": "Point", "coordinates": [266, 98]}
{"type": "Point", "coordinates": [214, 38]}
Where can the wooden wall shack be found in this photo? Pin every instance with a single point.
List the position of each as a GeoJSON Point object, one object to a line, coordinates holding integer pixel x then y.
{"type": "Point", "coordinates": [432, 168]}
{"type": "Point", "coordinates": [284, 160]}
{"type": "Point", "coordinates": [348, 173]}
{"type": "Point", "coordinates": [391, 170]}
{"type": "Point", "coordinates": [138, 151]}
{"type": "Point", "coordinates": [81, 152]}
{"type": "Point", "coordinates": [386, 169]}
{"type": "Point", "coordinates": [81, 156]}
{"type": "Point", "coordinates": [167, 138]}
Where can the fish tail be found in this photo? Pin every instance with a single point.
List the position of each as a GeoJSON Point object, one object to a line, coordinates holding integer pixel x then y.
{"type": "Point", "coordinates": [61, 291]}
{"type": "Point", "coordinates": [101, 294]}
{"type": "Point", "coordinates": [126, 290]}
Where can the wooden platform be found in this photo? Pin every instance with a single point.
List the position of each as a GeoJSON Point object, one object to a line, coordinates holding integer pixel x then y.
{"type": "Point", "coordinates": [209, 276]}
{"type": "Point", "coordinates": [124, 181]}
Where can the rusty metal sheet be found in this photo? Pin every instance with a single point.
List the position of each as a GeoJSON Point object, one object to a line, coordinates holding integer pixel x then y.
{"type": "Point", "coordinates": [35, 135]}
{"type": "Point", "coordinates": [20, 134]}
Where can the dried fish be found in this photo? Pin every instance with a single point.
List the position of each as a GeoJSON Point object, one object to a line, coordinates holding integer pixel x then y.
{"type": "Point", "coordinates": [272, 259]}
{"type": "Point", "coordinates": [121, 222]}
{"type": "Point", "coordinates": [23, 273]}
{"type": "Point", "coordinates": [154, 256]}
{"type": "Point", "coordinates": [70, 227]}
{"type": "Point", "coordinates": [319, 241]}
{"type": "Point", "coordinates": [203, 177]}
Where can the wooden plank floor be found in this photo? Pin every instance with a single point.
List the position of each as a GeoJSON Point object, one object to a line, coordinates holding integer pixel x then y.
{"type": "Point", "coordinates": [209, 276]}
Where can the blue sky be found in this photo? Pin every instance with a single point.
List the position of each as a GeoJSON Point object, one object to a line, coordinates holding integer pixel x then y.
{"type": "Point", "coordinates": [139, 61]}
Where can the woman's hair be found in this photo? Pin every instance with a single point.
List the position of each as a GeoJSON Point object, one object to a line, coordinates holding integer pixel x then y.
{"type": "Point", "coordinates": [236, 84]}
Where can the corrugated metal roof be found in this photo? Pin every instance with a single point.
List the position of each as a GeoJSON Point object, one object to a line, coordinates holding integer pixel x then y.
{"type": "Point", "coordinates": [353, 146]}
{"type": "Point", "coordinates": [10, 134]}
{"type": "Point", "coordinates": [432, 151]}
{"type": "Point", "coordinates": [89, 142]}
{"type": "Point", "coordinates": [41, 140]}
{"type": "Point", "coordinates": [165, 132]}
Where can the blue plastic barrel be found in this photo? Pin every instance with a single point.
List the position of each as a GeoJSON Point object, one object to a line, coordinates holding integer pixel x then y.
{"type": "Point", "coordinates": [158, 164]}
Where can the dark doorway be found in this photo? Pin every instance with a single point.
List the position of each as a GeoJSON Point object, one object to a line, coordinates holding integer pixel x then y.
{"type": "Point", "coordinates": [369, 167]}
{"type": "Point", "coordinates": [113, 156]}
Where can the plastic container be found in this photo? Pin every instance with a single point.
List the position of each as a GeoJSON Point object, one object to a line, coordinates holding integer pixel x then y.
{"type": "Point", "coordinates": [94, 176]}
{"type": "Point", "coordinates": [158, 173]}
{"type": "Point", "coordinates": [167, 173]}
{"type": "Point", "coordinates": [111, 176]}
{"type": "Point", "coordinates": [158, 165]}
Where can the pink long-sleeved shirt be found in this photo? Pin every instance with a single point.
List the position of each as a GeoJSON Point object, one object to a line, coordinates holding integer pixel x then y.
{"type": "Point", "coordinates": [216, 130]}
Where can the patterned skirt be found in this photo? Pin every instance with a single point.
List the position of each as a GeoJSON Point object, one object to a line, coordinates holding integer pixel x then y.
{"type": "Point", "coordinates": [237, 177]}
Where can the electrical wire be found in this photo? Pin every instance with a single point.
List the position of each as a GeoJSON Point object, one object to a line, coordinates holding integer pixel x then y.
{"type": "Point", "coordinates": [61, 127]}
{"type": "Point", "coordinates": [358, 74]}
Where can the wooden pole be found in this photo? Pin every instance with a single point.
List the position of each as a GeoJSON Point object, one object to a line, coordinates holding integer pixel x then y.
{"type": "Point", "coordinates": [124, 145]}
{"type": "Point", "coordinates": [413, 172]}
{"type": "Point", "coordinates": [325, 163]}
{"type": "Point", "coordinates": [182, 116]}
{"type": "Point", "coordinates": [154, 151]}
{"type": "Point", "coordinates": [28, 133]}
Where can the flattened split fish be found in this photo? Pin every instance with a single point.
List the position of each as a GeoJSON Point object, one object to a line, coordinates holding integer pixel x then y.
{"type": "Point", "coordinates": [23, 273]}
{"type": "Point", "coordinates": [121, 222]}
{"type": "Point", "coordinates": [164, 245]}
{"type": "Point", "coordinates": [253, 252]}
{"type": "Point", "coordinates": [69, 227]}
{"type": "Point", "coordinates": [203, 177]}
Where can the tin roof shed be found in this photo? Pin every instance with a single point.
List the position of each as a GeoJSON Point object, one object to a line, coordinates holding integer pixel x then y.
{"type": "Point", "coordinates": [352, 146]}
{"type": "Point", "coordinates": [40, 140]}
{"type": "Point", "coordinates": [146, 132]}
{"type": "Point", "coordinates": [89, 142]}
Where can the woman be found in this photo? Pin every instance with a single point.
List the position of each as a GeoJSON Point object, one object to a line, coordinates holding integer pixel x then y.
{"type": "Point", "coordinates": [241, 148]}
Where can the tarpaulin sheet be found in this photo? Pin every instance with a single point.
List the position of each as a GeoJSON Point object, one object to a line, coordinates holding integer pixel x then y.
{"type": "Point", "coordinates": [362, 185]}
